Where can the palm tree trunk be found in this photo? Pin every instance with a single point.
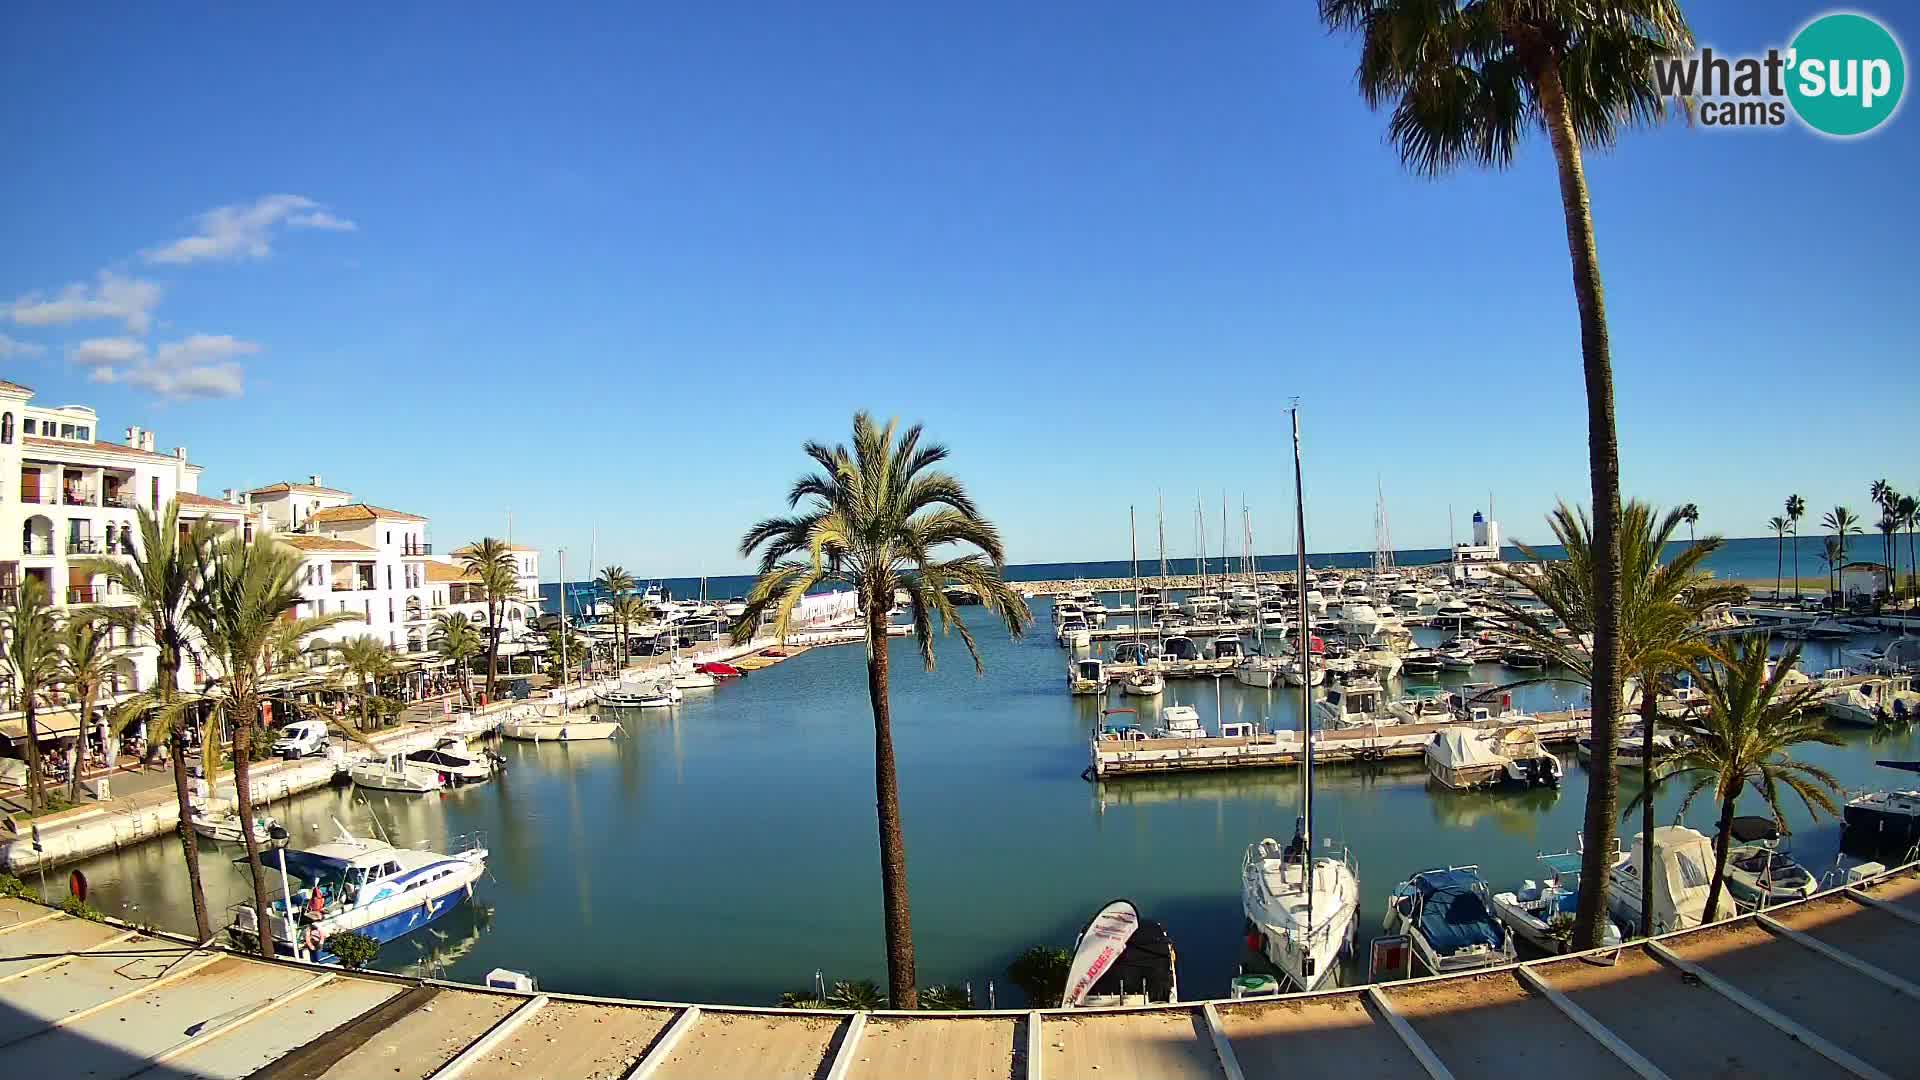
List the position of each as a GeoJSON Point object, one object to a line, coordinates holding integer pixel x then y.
{"type": "Point", "coordinates": [1722, 844]}
{"type": "Point", "coordinates": [246, 713]}
{"type": "Point", "coordinates": [1603, 462]}
{"type": "Point", "coordinates": [189, 846]}
{"type": "Point", "coordinates": [493, 650]}
{"type": "Point", "coordinates": [1779, 560]}
{"type": "Point", "coordinates": [79, 748]}
{"type": "Point", "coordinates": [36, 769]}
{"type": "Point", "coordinates": [1796, 561]}
{"type": "Point", "coordinates": [1649, 715]}
{"type": "Point", "coordinates": [893, 848]}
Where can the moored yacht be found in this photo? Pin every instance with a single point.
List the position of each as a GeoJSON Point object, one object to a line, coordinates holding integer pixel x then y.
{"type": "Point", "coordinates": [1087, 676]}
{"type": "Point", "coordinates": [396, 773]}
{"type": "Point", "coordinates": [1447, 913]}
{"type": "Point", "coordinates": [1351, 705]}
{"type": "Point", "coordinates": [364, 885]}
{"type": "Point", "coordinates": [1682, 875]}
{"type": "Point", "coordinates": [1180, 722]}
{"type": "Point", "coordinates": [556, 723]}
{"type": "Point", "coordinates": [222, 824]}
{"type": "Point", "coordinates": [1541, 913]}
{"type": "Point", "coordinates": [1874, 701]}
{"type": "Point", "coordinates": [457, 763]}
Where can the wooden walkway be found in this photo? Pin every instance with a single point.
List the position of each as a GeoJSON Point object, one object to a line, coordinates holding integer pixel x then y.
{"type": "Point", "coordinates": [1825, 987]}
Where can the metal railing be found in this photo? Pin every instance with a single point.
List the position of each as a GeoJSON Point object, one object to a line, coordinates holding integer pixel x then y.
{"type": "Point", "coordinates": [122, 501]}
{"type": "Point", "coordinates": [416, 549]}
{"type": "Point", "coordinates": [78, 498]}
{"type": "Point", "coordinates": [83, 545]}
{"type": "Point", "coordinates": [83, 596]}
{"type": "Point", "coordinates": [36, 547]}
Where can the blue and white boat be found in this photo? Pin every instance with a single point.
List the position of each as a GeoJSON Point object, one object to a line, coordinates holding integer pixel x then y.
{"type": "Point", "coordinates": [1541, 913]}
{"type": "Point", "coordinates": [1447, 915]}
{"type": "Point", "coordinates": [368, 886]}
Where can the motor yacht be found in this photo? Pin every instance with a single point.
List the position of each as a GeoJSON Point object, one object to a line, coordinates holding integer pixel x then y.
{"type": "Point", "coordinates": [1087, 676]}
{"type": "Point", "coordinates": [555, 723]}
{"type": "Point", "coordinates": [458, 764]}
{"type": "Point", "coordinates": [1180, 722]}
{"type": "Point", "coordinates": [1447, 913]}
{"type": "Point", "coordinates": [395, 773]}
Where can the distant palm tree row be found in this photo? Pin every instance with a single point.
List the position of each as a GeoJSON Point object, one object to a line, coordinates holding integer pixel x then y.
{"type": "Point", "coordinates": [1897, 512]}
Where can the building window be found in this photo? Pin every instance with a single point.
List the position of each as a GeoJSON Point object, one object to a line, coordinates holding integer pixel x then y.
{"type": "Point", "coordinates": [323, 606]}
{"type": "Point", "coordinates": [389, 569]}
{"type": "Point", "coordinates": [84, 434]}
{"type": "Point", "coordinates": [6, 428]}
{"type": "Point", "coordinates": [247, 533]}
{"type": "Point", "coordinates": [155, 481]}
{"type": "Point", "coordinates": [29, 426]}
{"type": "Point", "coordinates": [389, 609]}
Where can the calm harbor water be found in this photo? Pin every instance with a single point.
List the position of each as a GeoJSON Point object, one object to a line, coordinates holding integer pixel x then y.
{"type": "Point", "coordinates": [726, 851]}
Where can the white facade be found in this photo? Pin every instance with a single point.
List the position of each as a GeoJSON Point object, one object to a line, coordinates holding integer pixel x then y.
{"type": "Point", "coordinates": [67, 497]}
{"type": "Point", "coordinates": [364, 560]}
{"type": "Point", "coordinates": [460, 594]}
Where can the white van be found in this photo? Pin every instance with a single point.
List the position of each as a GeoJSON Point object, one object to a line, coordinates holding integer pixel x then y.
{"type": "Point", "coordinates": [301, 738]}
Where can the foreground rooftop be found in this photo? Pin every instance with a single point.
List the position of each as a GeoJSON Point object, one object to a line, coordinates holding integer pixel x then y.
{"type": "Point", "coordinates": [1826, 987]}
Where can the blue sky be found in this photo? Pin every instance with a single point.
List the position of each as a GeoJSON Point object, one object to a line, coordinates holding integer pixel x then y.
{"type": "Point", "coordinates": [607, 268]}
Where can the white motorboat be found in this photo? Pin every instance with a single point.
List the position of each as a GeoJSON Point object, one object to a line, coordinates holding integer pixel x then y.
{"type": "Point", "coordinates": [1629, 746]}
{"type": "Point", "coordinates": [1541, 913]}
{"type": "Point", "coordinates": [222, 824]}
{"type": "Point", "coordinates": [1256, 670]}
{"type": "Point", "coordinates": [1759, 873]}
{"type": "Point", "coordinates": [686, 677]}
{"type": "Point", "coordinates": [1228, 648]}
{"type": "Point", "coordinates": [1463, 759]}
{"type": "Point", "coordinates": [395, 773]}
{"type": "Point", "coordinates": [458, 764]}
{"type": "Point", "coordinates": [1682, 876]}
{"type": "Point", "coordinates": [1459, 658]}
{"type": "Point", "coordinates": [1447, 914]}
{"type": "Point", "coordinates": [1353, 705]}
{"type": "Point", "coordinates": [1874, 701]}
{"type": "Point", "coordinates": [363, 885]}
{"type": "Point", "coordinates": [1883, 822]}
{"type": "Point", "coordinates": [556, 724]}
{"type": "Point", "coordinates": [1144, 682]}
{"type": "Point", "coordinates": [1180, 722]}
{"type": "Point", "coordinates": [1087, 676]}
{"type": "Point", "coordinates": [647, 694]}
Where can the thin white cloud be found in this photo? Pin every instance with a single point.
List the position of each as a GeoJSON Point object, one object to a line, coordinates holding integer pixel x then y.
{"type": "Point", "coordinates": [14, 347]}
{"type": "Point", "coordinates": [320, 219]}
{"type": "Point", "coordinates": [131, 300]}
{"type": "Point", "coordinates": [106, 352]}
{"type": "Point", "coordinates": [245, 230]}
{"type": "Point", "coordinates": [199, 366]}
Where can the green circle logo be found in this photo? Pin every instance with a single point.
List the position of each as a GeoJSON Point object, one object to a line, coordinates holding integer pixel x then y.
{"type": "Point", "coordinates": [1846, 73]}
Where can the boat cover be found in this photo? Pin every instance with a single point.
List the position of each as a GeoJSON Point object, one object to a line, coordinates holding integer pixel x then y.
{"type": "Point", "coordinates": [1147, 961]}
{"type": "Point", "coordinates": [1748, 829]}
{"type": "Point", "coordinates": [1463, 750]}
{"type": "Point", "coordinates": [1452, 915]}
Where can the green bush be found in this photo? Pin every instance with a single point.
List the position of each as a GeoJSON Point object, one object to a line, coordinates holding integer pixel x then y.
{"type": "Point", "coordinates": [355, 950]}
{"type": "Point", "coordinates": [1041, 972]}
{"type": "Point", "coordinates": [13, 886]}
{"type": "Point", "coordinates": [857, 994]}
{"type": "Point", "coordinates": [80, 909]}
{"type": "Point", "coordinates": [945, 999]}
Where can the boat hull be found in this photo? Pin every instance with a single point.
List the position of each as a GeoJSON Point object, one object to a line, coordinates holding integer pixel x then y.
{"type": "Point", "coordinates": [581, 731]}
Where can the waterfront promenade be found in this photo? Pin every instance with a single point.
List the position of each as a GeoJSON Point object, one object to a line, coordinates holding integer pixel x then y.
{"type": "Point", "coordinates": [1824, 987]}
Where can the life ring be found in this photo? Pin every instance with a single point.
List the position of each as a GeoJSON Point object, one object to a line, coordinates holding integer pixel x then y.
{"type": "Point", "coordinates": [313, 939]}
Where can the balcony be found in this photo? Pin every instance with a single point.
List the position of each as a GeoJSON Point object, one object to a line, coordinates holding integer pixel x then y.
{"type": "Point", "coordinates": [86, 595]}
{"type": "Point", "coordinates": [416, 549]}
{"type": "Point", "coordinates": [83, 545]}
{"type": "Point", "coordinates": [36, 546]}
{"type": "Point", "coordinates": [78, 498]}
{"type": "Point", "coordinates": [122, 501]}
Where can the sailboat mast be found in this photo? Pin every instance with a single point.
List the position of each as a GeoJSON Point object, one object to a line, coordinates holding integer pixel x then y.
{"type": "Point", "coordinates": [1133, 541]}
{"type": "Point", "coordinates": [564, 646]}
{"type": "Point", "coordinates": [1306, 673]}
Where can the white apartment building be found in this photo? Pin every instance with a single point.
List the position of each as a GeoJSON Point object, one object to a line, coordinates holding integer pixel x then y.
{"type": "Point", "coordinates": [362, 559]}
{"type": "Point", "coordinates": [66, 497]}
{"type": "Point", "coordinates": [459, 592]}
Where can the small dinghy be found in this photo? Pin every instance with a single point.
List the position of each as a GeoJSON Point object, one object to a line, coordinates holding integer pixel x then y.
{"type": "Point", "coordinates": [223, 825]}
{"type": "Point", "coordinates": [1759, 873]}
{"type": "Point", "coordinates": [1541, 913]}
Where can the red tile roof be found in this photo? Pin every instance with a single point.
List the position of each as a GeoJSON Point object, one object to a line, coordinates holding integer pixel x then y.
{"type": "Point", "coordinates": [310, 489]}
{"type": "Point", "coordinates": [105, 447]}
{"type": "Point", "coordinates": [320, 543]}
{"type": "Point", "coordinates": [359, 512]}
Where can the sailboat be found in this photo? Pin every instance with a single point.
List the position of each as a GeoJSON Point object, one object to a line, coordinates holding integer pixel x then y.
{"type": "Point", "coordinates": [1302, 911]}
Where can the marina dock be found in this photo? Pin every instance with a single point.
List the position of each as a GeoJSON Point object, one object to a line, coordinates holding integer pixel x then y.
{"type": "Point", "coordinates": [1821, 987]}
{"type": "Point", "coordinates": [1112, 758]}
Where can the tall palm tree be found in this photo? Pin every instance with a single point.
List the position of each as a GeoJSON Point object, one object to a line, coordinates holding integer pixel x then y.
{"type": "Point", "coordinates": [879, 518]}
{"type": "Point", "coordinates": [158, 579]}
{"type": "Point", "coordinates": [1690, 514]}
{"type": "Point", "coordinates": [366, 658]}
{"type": "Point", "coordinates": [1840, 521]}
{"type": "Point", "coordinates": [490, 561]}
{"type": "Point", "coordinates": [615, 582]}
{"type": "Point", "coordinates": [1889, 526]}
{"type": "Point", "coordinates": [1888, 500]}
{"type": "Point", "coordinates": [247, 591]}
{"type": "Point", "coordinates": [86, 665]}
{"type": "Point", "coordinates": [1467, 81]}
{"type": "Point", "coordinates": [1740, 740]}
{"type": "Point", "coordinates": [457, 640]}
{"type": "Point", "coordinates": [1796, 509]}
{"type": "Point", "coordinates": [1660, 629]}
{"type": "Point", "coordinates": [629, 611]}
{"type": "Point", "coordinates": [1909, 512]}
{"type": "Point", "coordinates": [1779, 526]}
{"type": "Point", "coordinates": [31, 659]}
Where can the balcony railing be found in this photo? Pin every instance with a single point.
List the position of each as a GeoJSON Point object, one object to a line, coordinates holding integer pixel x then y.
{"type": "Point", "coordinates": [36, 547]}
{"type": "Point", "coordinates": [83, 596]}
{"type": "Point", "coordinates": [416, 549]}
{"type": "Point", "coordinates": [83, 545]}
{"type": "Point", "coordinates": [123, 501]}
{"type": "Point", "coordinates": [352, 586]}
{"type": "Point", "coordinates": [78, 498]}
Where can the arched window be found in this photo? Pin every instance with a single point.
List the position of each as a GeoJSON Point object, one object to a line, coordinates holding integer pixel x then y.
{"type": "Point", "coordinates": [6, 428]}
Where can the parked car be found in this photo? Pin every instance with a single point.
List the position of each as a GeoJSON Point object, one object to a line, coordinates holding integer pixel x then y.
{"type": "Point", "coordinates": [302, 738]}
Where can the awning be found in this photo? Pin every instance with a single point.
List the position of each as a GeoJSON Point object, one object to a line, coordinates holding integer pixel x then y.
{"type": "Point", "coordinates": [60, 724]}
